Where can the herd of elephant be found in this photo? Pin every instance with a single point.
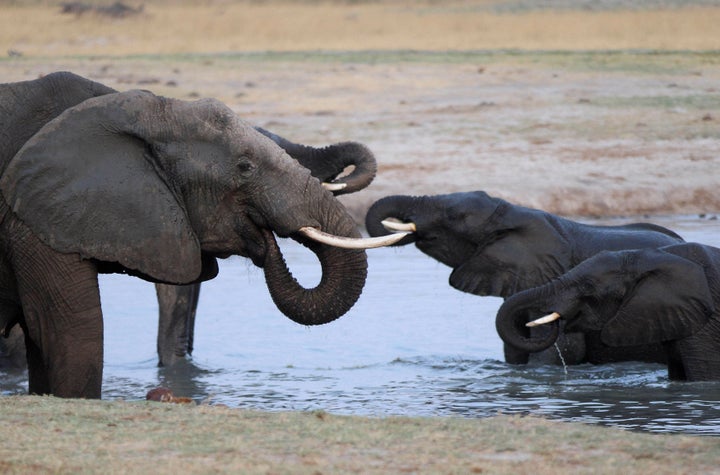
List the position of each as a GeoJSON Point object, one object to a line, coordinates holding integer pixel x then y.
{"type": "Point", "coordinates": [93, 180]}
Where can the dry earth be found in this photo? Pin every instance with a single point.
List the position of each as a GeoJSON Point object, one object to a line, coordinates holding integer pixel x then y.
{"type": "Point", "coordinates": [559, 125]}
{"type": "Point", "coordinates": [576, 134]}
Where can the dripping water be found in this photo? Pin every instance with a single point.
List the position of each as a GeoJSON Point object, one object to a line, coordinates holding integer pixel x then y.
{"type": "Point", "coordinates": [562, 360]}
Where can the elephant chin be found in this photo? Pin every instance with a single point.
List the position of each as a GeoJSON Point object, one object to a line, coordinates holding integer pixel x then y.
{"type": "Point", "coordinates": [343, 278]}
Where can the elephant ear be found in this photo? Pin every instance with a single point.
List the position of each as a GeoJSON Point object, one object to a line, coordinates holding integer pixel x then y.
{"type": "Point", "coordinates": [88, 183]}
{"type": "Point", "coordinates": [669, 302]}
{"type": "Point", "coordinates": [518, 249]}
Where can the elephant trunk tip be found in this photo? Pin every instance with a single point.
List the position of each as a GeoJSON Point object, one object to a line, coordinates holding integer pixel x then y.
{"type": "Point", "coordinates": [521, 332]}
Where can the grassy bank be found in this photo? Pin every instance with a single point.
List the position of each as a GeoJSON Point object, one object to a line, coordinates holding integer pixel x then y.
{"type": "Point", "coordinates": [48, 435]}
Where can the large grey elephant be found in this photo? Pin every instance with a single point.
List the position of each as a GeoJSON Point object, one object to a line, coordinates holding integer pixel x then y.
{"type": "Point", "coordinates": [28, 105]}
{"type": "Point", "coordinates": [157, 188]}
{"type": "Point", "coordinates": [497, 248]}
{"type": "Point", "coordinates": [668, 296]}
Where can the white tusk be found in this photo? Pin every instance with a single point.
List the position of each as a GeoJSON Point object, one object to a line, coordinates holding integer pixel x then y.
{"type": "Point", "coordinates": [396, 226]}
{"type": "Point", "coordinates": [334, 186]}
{"type": "Point", "coordinates": [351, 243]}
{"type": "Point", "coordinates": [543, 320]}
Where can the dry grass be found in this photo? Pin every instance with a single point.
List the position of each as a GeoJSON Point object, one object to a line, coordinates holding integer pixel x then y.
{"type": "Point", "coordinates": [40, 30]}
{"type": "Point", "coordinates": [47, 435]}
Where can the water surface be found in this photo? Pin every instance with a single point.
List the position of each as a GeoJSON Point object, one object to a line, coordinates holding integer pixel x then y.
{"type": "Point", "coordinates": [411, 346]}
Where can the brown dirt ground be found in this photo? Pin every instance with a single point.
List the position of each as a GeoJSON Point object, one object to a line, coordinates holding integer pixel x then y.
{"type": "Point", "coordinates": [611, 132]}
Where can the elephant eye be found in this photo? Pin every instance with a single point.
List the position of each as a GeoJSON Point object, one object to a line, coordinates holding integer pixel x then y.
{"type": "Point", "coordinates": [456, 215]}
{"type": "Point", "coordinates": [245, 166]}
{"type": "Point", "coordinates": [586, 287]}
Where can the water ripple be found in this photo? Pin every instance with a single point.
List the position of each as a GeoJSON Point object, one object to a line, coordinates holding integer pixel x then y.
{"type": "Point", "coordinates": [411, 346]}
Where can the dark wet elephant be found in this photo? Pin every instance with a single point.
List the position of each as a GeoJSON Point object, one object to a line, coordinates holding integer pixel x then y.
{"type": "Point", "coordinates": [156, 188]}
{"type": "Point", "coordinates": [497, 248]}
{"type": "Point", "coordinates": [668, 296]}
{"type": "Point", "coordinates": [26, 106]}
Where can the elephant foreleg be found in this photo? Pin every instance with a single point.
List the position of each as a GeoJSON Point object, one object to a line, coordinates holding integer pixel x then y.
{"type": "Point", "coordinates": [514, 355]}
{"type": "Point", "coordinates": [37, 374]}
{"type": "Point", "coordinates": [62, 319]}
{"type": "Point", "coordinates": [176, 329]}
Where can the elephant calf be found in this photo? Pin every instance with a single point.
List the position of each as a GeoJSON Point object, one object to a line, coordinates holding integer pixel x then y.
{"type": "Point", "coordinates": [668, 296]}
{"type": "Point", "coordinates": [497, 248]}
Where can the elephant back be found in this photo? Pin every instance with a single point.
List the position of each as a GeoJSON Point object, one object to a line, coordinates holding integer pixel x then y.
{"type": "Point", "coordinates": [26, 106]}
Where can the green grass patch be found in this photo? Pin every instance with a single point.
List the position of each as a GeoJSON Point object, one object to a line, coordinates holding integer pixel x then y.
{"type": "Point", "coordinates": [639, 62]}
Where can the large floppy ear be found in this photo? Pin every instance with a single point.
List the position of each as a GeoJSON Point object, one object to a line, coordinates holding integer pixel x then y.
{"type": "Point", "coordinates": [671, 300]}
{"type": "Point", "coordinates": [518, 248]}
{"type": "Point", "coordinates": [88, 183]}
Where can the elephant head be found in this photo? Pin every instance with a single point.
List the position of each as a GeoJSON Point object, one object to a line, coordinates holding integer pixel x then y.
{"type": "Point", "coordinates": [494, 248]}
{"type": "Point", "coordinates": [629, 297]}
{"type": "Point", "coordinates": [160, 188]}
{"type": "Point", "coordinates": [497, 248]}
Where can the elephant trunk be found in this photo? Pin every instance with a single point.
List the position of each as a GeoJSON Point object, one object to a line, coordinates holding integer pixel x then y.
{"type": "Point", "coordinates": [343, 274]}
{"type": "Point", "coordinates": [399, 207]}
{"type": "Point", "coordinates": [328, 163]}
{"type": "Point", "coordinates": [515, 313]}
{"type": "Point", "coordinates": [344, 154]}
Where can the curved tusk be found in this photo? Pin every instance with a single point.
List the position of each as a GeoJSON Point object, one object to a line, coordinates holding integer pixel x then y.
{"type": "Point", "coordinates": [351, 243]}
{"type": "Point", "coordinates": [334, 186]}
{"type": "Point", "coordinates": [396, 226]}
{"type": "Point", "coordinates": [543, 320]}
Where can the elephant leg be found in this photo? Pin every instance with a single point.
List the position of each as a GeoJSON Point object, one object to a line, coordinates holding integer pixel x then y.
{"type": "Point", "coordinates": [676, 368]}
{"type": "Point", "coordinates": [38, 382]}
{"type": "Point", "coordinates": [176, 329]}
{"type": "Point", "coordinates": [515, 356]}
{"type": "Point", "coordinates": [697, 357]}
{"type": "Point", "coordinates": [62, 318]}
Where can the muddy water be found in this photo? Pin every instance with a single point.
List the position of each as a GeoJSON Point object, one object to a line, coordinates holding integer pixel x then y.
{"type": "Point", "coordinates": [411, 346]}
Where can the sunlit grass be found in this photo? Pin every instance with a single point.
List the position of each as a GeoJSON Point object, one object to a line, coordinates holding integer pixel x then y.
{"type": "Point", "coordinates": [170, 28]}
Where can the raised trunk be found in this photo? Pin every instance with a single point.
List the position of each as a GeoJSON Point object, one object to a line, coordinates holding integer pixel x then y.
{"type": "Point", "coordinates": [327, 163]}
{"type": "Point", "coordinates": [521, 308]}
{"type": "Point", "coordinates": [343, 273]}
{"type": "Point", "coordinates": [399, 207]}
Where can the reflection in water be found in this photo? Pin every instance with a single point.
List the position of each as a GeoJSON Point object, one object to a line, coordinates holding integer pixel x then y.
{"type": "Point", "coordinates": [411, 346]}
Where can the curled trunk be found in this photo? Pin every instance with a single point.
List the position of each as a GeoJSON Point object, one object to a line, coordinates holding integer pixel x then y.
{"type": "Point", "coordinates": [328, 163]}
{"type": "Point", "coordinates": [343, 273]}
{"type": "Point", "coordinates": [517, 311]}
{"type": "Point", "coordinates": [398, 207]}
